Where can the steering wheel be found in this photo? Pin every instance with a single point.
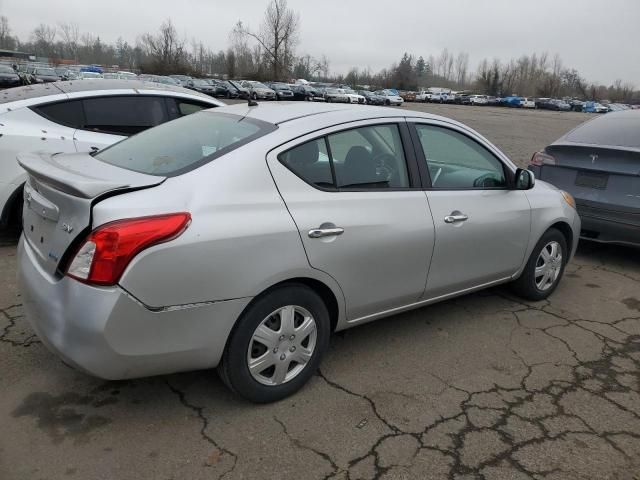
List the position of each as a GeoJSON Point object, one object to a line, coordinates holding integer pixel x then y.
{"type": "Point", "coordinates": [487, 180]}
{"type": "Point", "coordinates": [386, 166]}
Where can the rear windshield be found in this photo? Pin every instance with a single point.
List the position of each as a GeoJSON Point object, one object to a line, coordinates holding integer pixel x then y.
{"type": "Point", "coordinates": [615, 129]}
{"type": "Point", "coordinates": [182, 145]}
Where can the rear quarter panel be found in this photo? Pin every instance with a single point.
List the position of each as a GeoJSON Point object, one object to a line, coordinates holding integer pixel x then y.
{"type": "Point", "coordinates": [241, 241]}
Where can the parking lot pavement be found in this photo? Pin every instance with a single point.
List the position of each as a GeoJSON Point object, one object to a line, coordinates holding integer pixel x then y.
{"type": "Point", "coordinates": [483, 386]}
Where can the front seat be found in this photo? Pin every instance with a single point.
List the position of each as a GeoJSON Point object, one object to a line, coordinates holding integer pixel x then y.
{"type": "Point", "coordinates": [359, 169]}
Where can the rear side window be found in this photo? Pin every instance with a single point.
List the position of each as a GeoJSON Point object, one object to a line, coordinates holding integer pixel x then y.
{"type": "Point", "coordinates": [124, 115]}
{"type": "Point", "coordinates": [310, 162]}
{"type": "Point", "coordinates": [179, 107]}
{"type": "Point", "coordinates": [184, 144]}
{"type": "Point", "coordinates": [366, 158]}
{"type": "Point", "coordinates": [67, 113]}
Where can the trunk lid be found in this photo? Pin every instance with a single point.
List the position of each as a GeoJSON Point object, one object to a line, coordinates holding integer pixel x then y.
{"type": "Point", "coordinates": [58, 197]}
{"type": "Point", "coordinates": [597, 177]}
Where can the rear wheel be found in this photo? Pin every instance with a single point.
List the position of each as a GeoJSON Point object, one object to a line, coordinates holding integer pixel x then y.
{"type": "Point", "coordinates": [545, 267]}
{"type": "Point", "coordinates": [277, 344]}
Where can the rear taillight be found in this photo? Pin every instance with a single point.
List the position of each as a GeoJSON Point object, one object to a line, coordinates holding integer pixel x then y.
{"type": "Point", "coordinates": [542, 158]}
{"type": "Point", "coordinates": [108, 250]}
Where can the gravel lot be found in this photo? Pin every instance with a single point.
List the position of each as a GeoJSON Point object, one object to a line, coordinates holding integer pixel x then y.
{"type": "Point", "coordinates": [483, 386]}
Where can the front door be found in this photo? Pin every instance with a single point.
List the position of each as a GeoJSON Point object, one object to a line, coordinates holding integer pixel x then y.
{"type": "Point", "coordinates": [481, 224]}
{"type": "Point", "coordinates": [361, 217]}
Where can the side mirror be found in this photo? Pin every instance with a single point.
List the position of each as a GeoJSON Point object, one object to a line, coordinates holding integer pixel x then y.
{"type": "Point", "coordinates": [525, 179]}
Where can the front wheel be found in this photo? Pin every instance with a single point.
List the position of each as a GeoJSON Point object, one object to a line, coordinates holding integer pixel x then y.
{"type": "Point", "coordinates": [277, 344]}
{"type": "Point", "coordinates": [545, 267]}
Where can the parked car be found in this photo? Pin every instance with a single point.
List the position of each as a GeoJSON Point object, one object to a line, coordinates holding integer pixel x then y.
{"type": "Point", "coordinates": [335, 95]}
{"type": "Point", "coordinates": [553, 104]}
{"type": "Point", "coordinates": [478, 100]}
{"type": "Point", "coordinates": [423, 96]}
{"type": "Point", "coordinates": [283, 91]}
{"type": "Point", "coordinates": [89, 75]}
{"type": "Point", "coordinates": [527, 103]}
{"type": "Point", "coordinates": [438, 97]}
{"type": "Point", "coordinates": [512, 101]}
{"type": "Point", "coordinates": [371, 98]}
{"type": "Point", "coordinates": [576, 105]}
{"type": "Point", "coordinates": [354, 97]}
{"type": "Point", "coordinates": [162, 264]}
{"type": "Point", "coordinates": [594, 107]}
{"type": "Point", "coordinates": [44, 75]}
{"type": "Point", "coordinates": [127, 75]}
{"type": "Point", "coordinates": [464, 99]}
{"type": "Point", "coordinates": [201, 85]}
{"type": "Point", "coordinates": [259, 91]}
{"type": "Point", "coordinates": [493, 101]}
{"type": "Point", "coordinates": [221, 89]}
{"type": "Point", "coordinates": [598, 163]}
{"type": "Point", "coordinates": [79, 116]}
{"type": "Point", "coordinates": [408, 96]}
{"type": "Point", "coordinates": [307, 93]}
{"type": "Point", "coordinates": [8, 77]}
{"type": "Point", "coordinates": [183, 79]}
{"type": "Point", "coordinates": [390, 98]}
{"type": "Point", "coordinates": [231, 91]}
{"type": "Point", "coordinates": [242, 92]}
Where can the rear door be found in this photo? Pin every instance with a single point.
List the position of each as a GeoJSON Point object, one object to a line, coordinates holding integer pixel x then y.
{"type": "Point", "coordinates": [360, 211]}
{"type": "Point", "coordinates": [481, 225]}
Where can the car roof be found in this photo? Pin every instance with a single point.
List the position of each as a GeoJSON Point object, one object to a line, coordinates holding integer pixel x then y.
{"type": "Point", "coordinates": [284, 112]}
{"type": "Point", "coordinates": [86, 85]}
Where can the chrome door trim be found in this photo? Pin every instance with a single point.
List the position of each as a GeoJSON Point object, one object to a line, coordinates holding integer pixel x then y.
{"type": "Point", "coordinates": [422, 303]}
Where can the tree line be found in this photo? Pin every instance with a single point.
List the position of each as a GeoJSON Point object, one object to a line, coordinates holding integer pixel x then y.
{"type": "Point", "coordinates": [269, 52]}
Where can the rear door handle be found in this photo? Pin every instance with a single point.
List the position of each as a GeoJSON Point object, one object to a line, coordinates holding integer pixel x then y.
{"type": "Point", "coordinates": [455, 217]}
{"type": "Point", "coordinates": [325, 230]}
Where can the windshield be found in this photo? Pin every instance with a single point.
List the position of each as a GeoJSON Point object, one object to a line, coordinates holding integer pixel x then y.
{"type": "Point", "coordinates": [46, 71]}
{"type": "Point", "coordinates": [179, 146]}
{"type": "Point", "coordinates": [199, 82]}
{"type": "Point", "coordinates": [5, 69]}
{"type": "Point", "coordinates": [258, 85]}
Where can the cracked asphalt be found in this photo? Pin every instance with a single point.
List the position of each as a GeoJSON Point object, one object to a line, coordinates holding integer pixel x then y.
{"type": "Point", "coordinates": [484, 386]}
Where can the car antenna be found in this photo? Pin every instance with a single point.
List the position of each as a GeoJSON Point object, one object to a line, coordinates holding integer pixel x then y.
{"type": "Point", "coordinates": [252, 103]}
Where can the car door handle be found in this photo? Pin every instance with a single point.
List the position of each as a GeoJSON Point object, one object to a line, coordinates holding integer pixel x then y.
{"type": "Point", "coordinates": [325, 231]}
{"type": "Point", "coordinates": [455, 217]}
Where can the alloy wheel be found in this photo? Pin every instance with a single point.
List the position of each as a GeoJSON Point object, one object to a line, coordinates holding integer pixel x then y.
{"type": "Point", "coordinates": [282, 345]}
{"type": "Point", "coordinates": [548, 265]}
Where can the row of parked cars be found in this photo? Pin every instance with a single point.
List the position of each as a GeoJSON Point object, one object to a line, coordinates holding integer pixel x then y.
{"type": "Point", "coordinates": [464, 98]}
{"type": "Point", "coordinates": [251, 89]}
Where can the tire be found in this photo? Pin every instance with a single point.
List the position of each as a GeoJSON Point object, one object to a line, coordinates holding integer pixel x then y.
{"type": "Point", "coordinates": [387, 103]}
{"type": "Point", "coordinates": [254, 96]}
{"type": "Point", "coordinates": [526, 286]}
{"type": "Point", "coordinates": [265, 312]}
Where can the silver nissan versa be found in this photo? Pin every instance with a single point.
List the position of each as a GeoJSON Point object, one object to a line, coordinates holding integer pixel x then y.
{"type": "Point", "coordinates": [241, 237]}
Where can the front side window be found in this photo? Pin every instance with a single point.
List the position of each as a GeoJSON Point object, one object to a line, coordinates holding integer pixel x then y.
{"type": "Point", "coordinates": [366, 158]}
{"type": "Point", "coordinates": [457, 162]}
{"type": "Point", "coordinates": [124, 115]}
{"type": "Point", "coordinates": [184, 144]}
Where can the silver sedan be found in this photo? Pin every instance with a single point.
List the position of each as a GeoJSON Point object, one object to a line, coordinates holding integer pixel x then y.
{"type": "Point", "coordinates": [242, 237]}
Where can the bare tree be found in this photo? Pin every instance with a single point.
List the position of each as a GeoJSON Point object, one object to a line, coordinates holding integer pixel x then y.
{"type": "Point", "coordinates": [7, 40]}
{"type": "Point", "coordinates": [43, 38]}
{"type": "Point", "coordinates": [166, 52]}
{"type": "Point", "coordinates": [278, 36]}
{"type": "Point", "coordinates": [70, 33]}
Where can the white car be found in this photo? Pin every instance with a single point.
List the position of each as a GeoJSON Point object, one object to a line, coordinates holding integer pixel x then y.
{"type": "Point", "coordinates": [391, 98]}
{"type": "Point", "coordinates": [79, 117]}
{"type": "Point", "coordinates": [422, 96]}
{"type": "Point", "coordinates": [527, 103]}
{"type": "Point", "coordinates": [89, 75]}
{"type": "Point", "coordinates": [353, 96]}
{"type": "Point", "coordinates": [478, 100]}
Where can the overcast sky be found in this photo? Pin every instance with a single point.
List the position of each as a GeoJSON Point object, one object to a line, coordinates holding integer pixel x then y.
{"type": "Point", "coordinates": [599, 38]}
